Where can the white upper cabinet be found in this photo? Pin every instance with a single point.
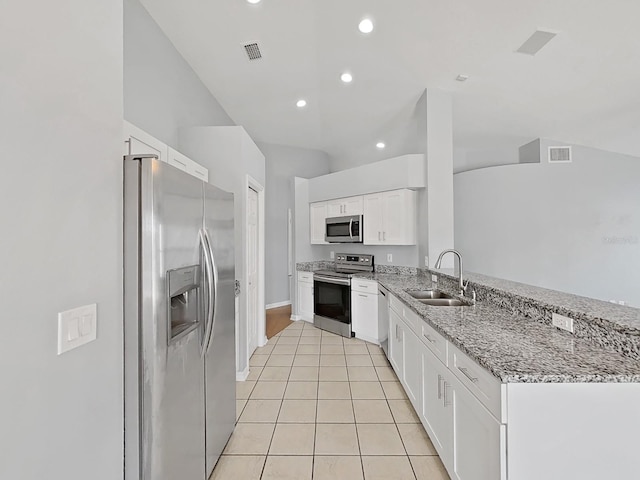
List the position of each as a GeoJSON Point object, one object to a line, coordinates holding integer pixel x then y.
{"type": "Point", "coordinates": [184, 163]}
{"type": "Point", "coordinates": [138, 142]}
{"type": "Point", "coordinates": [344, 206]}
{"type": "Point", "coordinates": [317, 217]}
{"type": "Point", "coordinates": [390, 218]}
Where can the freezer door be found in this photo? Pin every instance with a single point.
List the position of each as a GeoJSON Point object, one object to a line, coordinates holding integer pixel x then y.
{"type": "Point", "coordinates": [220, 355]}
{"type": "Point", "coordinates": [170, 386]}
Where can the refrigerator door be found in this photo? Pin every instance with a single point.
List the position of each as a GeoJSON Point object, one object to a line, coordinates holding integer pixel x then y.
{"type": "Point", "coordinates": [163, 340]}
{"type": "Point", "coordinates": [220, 355]}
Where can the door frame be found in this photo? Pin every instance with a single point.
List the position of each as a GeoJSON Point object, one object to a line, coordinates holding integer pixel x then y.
{"type": "Point", "coordinates": [252, 183]}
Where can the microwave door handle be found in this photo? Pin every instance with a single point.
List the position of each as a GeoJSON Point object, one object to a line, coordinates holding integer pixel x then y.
{"type": "Point", "coordinates": [351, 229]}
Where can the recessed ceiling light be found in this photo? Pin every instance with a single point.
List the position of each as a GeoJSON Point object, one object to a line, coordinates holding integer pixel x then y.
{"type": "Point", "coordinates": [253, 2]}
{"type": "Point", "coordinates": [366, 25]}
{"type": "Point", "coordinates": [301, 103]}
{"type": "Point", "coordinates": [346, 77]}
{"type": "Point", "coordinates": [380, 145]}
{"type": "Point", "coordinates": [462, 77]}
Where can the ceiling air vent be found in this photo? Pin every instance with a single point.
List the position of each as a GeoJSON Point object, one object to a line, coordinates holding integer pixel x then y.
{"type": "Point", "coordinates": [253, 51]}
{"type": "Point", "coordinates": [535, 42]}
{"type": "Point", "coordinates": [559, 154]}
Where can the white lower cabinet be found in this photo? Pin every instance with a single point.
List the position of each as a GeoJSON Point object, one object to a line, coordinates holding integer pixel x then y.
{"type": "Point", "coordinates": [412, 367]}
{"type": "Point", "coordinates": [477, 437]}
{"type": "Point", "coordinates": [470, 440]}
{"type": "Point", "coordinates": [364, 310]}
{"type": "Point", "coordinates": [396, 345]}
{"type": "Point", "coordinates": [434, 414]}
{"type": "Point", "coordinates": [305, 296]}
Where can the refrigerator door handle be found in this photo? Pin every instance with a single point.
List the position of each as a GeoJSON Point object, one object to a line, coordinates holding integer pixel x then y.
{"type": "Point", "coordinates": [214, 292]}
{"type": "Point", "coordinates": [209, 273]}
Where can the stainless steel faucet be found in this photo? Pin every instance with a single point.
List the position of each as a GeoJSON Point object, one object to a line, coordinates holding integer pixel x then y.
{"type": "Point", "coordinates": [463, 285]}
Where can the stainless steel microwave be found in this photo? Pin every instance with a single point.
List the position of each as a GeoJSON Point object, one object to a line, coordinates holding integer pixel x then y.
{"type": "Point", "coordinates": [343, 229]}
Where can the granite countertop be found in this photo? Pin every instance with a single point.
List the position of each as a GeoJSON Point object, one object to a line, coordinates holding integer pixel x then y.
{"type": "Point", "coordinates": [512, 347]}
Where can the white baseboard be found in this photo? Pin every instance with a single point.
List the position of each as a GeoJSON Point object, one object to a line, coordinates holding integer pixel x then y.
{"type": "Point", "coordinates": [242, 376]}
{"type": "Point", "coordinates": [295, 318]}
{"type": "Point", "coordinates": [278, 304]}
{"type": "Point", "coordinates": [264, 341]}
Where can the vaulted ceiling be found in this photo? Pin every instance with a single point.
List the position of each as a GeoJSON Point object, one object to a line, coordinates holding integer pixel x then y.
{"type": "Point", "coordinates": [582, 87]}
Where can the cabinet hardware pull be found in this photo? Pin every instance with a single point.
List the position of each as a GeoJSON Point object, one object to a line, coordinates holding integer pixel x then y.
{"type": "Point", "coordinates": [428, 338]}
{"type": "Point", "coordinates": [447, 403]}
{"type": "Point", "coordinates": [384, 236]}
{"type": "Point", "coordinates": [361, 295]}
{"type": "Point", "coordinates": [439, 386]}
{"type": "Point", "coordinates": [466, 373]}
{"type": "Point", "coordinates": [379, 236]}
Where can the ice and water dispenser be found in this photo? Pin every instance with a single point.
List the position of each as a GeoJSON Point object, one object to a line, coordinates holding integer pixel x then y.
{"type": "Point", "coordinates": [184, 284]}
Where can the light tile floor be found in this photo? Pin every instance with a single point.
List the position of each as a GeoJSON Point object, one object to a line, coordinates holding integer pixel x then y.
{"type": "Point", "coordinates": [319, 406]}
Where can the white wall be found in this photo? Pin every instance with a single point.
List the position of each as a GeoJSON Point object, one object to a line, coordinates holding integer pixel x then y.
{"type": "Point", "coordinates": [161, 91]}
{"type": "Point", "coordinates": [406, 171]}
{"type": "Point", "coordinates": [571, 227]}
{"type": "Point", "coordinates": [282, 165]}
{"type": "Point", "coordinates": [61, 211]}
{"type": "Point", "coordinates": [230, 155]}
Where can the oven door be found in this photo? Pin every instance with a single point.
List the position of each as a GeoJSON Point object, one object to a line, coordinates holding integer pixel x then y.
{"type": "Point", "coordinates": [332, 298]}
{"type": "Point", "coordinates": [343, 229]}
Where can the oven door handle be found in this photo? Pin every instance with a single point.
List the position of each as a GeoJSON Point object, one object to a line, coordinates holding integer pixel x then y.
{"type": "Point", "coordinates": [335, 281]}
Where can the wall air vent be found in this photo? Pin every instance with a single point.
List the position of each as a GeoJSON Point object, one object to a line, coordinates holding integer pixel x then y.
{"type": "Point", "coordinates": [253, 51]}
{"type": "Point", "coordinates": [559, 154]}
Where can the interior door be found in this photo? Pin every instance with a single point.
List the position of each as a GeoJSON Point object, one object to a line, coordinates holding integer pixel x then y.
{"type": "Point", "coordinates": [252, 268]}
{"type": "Point", "coordinates": [220, 354]}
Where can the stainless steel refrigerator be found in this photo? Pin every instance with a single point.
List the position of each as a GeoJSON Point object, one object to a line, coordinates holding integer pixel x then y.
{"type": "Point", "coordinates": [179, 322]}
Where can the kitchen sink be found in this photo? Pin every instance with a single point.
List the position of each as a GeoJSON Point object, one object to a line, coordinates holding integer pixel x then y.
{"type": "Point", "coordinates": [443, 302]}
{"type": "Point", "coordinates": [428, 294]}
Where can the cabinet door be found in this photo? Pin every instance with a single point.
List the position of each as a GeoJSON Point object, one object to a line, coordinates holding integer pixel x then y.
{"type": "Point", "coordinates": [335, 208]}
{"type": "Point", "coordinates": [178, 160]}
{"type": "Point", "coordinates": [412, 371]}
{"type": "Point", "coordinates": [317, 217]}
{"type": "Point", "coordinates": [305, 300]}
{"type": "Point", "coordinates": [364, 308]}
{"type": "Point", "coordinates": [396, 343]}
{"type": "Point", "coordinates": [353, 206]}
{"type": "Point", "coordinates": [372, 219]}
{"type": "Point", "coordinates": [138, 141]}
{"type": "Point", "coordinates": [476, 438]}
{"type": "Point", "coordinates": [399, 215]}
{"type": "Point", "coordinates": [435, 416]}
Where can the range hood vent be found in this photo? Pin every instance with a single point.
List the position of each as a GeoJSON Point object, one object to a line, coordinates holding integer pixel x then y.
{"type": "Point", "coordinates": [253, 51]}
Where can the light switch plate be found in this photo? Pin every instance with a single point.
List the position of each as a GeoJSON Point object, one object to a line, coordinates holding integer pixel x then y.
{"type": "Point", "coordinates": [77, 327]}
{"type": "Point", "coordinates": [562, 322]}
{"type": "Point", "coordinates": [332, 255]}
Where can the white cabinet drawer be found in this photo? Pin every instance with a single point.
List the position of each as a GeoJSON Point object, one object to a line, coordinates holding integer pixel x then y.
{"type": "Point", "coordinates": [305, 277]}
{"type": "Point", "coordinates": [364, 286]}
{"type": "Point", "coordinates": [412, 319]}
{"type": "Point", "coordinates": [482, 384]}
{"type": "Point", "coordinates": [434, 342]}
{"type": "Point", "coordinates": [396, 305]}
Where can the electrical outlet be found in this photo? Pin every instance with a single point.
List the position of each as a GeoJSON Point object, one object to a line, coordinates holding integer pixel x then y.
{"type": "Point", "coordinates": [426, 261]}
{"type": "Point", "coordinates": [562, 322]}
{"type": "Point", "coordinates": [389, 257]}
{"type": "Point", "coordinates": [332, 255]}
{"type": "Point", "coordinates": [434, 278]}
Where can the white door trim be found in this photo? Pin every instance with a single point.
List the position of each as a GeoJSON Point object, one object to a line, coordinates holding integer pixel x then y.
{"type": "Point", "coordinates": [261, 318]}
